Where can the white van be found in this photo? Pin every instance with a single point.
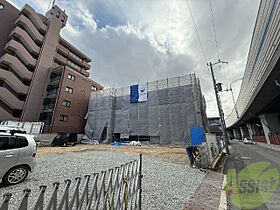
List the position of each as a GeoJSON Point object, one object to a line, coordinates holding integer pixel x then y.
{"type": "Point", "coordinates": [17, 157]}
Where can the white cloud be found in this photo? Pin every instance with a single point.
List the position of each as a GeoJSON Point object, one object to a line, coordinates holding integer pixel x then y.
{"type": "Point", "coordinates": [148, 40]}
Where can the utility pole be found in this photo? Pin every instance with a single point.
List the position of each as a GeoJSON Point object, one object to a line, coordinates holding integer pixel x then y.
{"type": "Point", "coordinates": [221, 113]}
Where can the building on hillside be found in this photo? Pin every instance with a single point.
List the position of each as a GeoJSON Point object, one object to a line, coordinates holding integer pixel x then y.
{"type": "Point", "coordinates": [160, 112]}
{"type": "Point", "coordinates": [42, 76]}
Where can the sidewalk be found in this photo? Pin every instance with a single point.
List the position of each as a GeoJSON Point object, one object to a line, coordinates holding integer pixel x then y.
{"type": "Point", "coordinates": [208, 194]}
{"type": "Point", "coordinates": [242, 155]}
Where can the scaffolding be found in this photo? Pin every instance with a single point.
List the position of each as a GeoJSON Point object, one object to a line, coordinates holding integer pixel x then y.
{"type": "Point", "coordinates": [173, 105]}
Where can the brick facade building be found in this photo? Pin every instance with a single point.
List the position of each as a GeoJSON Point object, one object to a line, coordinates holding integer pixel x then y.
{"type": "Point", "coordinates": [42, 76]}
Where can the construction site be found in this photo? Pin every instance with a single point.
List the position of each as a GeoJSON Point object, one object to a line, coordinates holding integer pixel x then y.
{"type": "Point", "coordinates": [170, 108]}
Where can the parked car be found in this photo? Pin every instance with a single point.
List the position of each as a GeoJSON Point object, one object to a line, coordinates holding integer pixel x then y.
{"type": "Point", "coordinates": [248, 141]}
{"type": "Point", "coordinates": [65, 139]}
{"type": "Point", "coordinates": [17, 157]}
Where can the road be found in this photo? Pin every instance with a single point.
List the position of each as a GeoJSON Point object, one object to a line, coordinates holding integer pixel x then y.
{"type": "Point", "coordinates": [243, 155]}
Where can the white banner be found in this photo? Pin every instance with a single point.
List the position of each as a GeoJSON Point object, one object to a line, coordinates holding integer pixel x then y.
{"type": "Point", "coordinates": [143, 92]}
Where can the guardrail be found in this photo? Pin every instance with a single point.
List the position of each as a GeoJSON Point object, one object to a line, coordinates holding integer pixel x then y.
{"type": "Point", "coordinates": [119, 188]}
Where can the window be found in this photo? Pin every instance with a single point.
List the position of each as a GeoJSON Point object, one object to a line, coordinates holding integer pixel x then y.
{"type": "Point", "coordinates": [58, 14]}
{"type": "Point", "coordinates": [93, 88]}
{"type": "Point", "coordinates": [71, 77]}
{"type": "Point", "coordinates": [1, 6]}
{"type": "Point", "coordinates": [66, 103]}
{"type": "Point", "coordinates": [63, 19]}
{"type": "Point", "coordinates": [22, 141]}
{"type": "Point", "coordinates": [7, 142]}
{"type": "Point", "coordinates": [75, 57]}
{"type": "Point", "coordinates": [63, 118]}
{"type": "Point", "coordinates": [73, 65]}
{"type": "Point", "coordinates": [69, 90]}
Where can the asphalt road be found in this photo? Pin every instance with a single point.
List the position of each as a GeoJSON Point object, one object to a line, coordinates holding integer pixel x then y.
{"type": "Point", "coordinates": [242, 155]}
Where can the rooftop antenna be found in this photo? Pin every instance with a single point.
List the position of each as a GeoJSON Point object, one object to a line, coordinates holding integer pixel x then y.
{"type": "Point", "coordinates": [52, 2]}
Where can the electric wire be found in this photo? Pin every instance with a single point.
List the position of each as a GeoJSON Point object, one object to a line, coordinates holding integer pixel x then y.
{"type": "Point", "coordinates": [225, 76]}
{"type": "Point", "coordinates": [200, 43]}
{"type": "Point", "coordinates": [214, 29]}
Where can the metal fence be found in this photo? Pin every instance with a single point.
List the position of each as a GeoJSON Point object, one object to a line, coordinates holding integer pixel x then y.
{"type": "Point", "coordinates": [118, 188]}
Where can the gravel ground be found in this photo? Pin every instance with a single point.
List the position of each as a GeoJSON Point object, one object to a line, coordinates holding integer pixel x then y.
{"type": "Point", "coordinates": [165, 185]}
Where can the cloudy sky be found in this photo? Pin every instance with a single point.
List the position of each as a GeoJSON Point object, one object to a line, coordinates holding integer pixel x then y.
{"type": "Point", "coordinates": [145, 40]}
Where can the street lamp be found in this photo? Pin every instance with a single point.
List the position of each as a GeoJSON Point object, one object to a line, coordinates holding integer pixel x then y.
{"type": "Point", "coordinates": [230, 89]}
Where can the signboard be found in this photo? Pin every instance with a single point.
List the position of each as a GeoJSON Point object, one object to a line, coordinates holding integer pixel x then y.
{"type": "Point", "coordinates": [197, 135]}
{"type": "Point", "coordinates": [139, 93]}
{"type": "Point", "coordinates": [143, 92]}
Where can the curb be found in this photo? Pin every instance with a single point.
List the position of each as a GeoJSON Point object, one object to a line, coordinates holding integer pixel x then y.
{"type": "Point", "coordinates": [223, 197]}
{"type": "Point", "coordinates": [208, 194]}
{"type": "Point", "coordinates": [269, 146]}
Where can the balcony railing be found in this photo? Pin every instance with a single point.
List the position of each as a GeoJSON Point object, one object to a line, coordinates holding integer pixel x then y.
{"type": "Point", "coordinates": [49, 106]}
{"type": "Point", "coordinates": [52, 92]}
{"type": "Point", "coordinates": [55, 79]}
{"type": "Point", "coordinates": [46, 121]}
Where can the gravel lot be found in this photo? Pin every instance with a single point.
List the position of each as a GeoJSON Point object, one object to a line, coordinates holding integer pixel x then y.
{"type": "Point", "coordinates": [165, 185]}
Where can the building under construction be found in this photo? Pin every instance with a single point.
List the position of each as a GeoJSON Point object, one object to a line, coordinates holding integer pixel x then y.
{"type": "Point", "coordinates": [164, 114]}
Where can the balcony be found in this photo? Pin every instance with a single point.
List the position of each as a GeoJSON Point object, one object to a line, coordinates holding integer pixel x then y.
{"type": "Point", "coordinates": [86, 65]}
{"type": "Point", "coordinates": [21, 52]}
{"type": "Point", "coordinates": [13, 82]}
{"type": "Point", "coordinates": [30, 28]}
{"type": "Point", "coordinates": [27, 41]}
{"type": "Point", "coordinates": [62, 60]}
{"type": "Point", "coordinates": [47, 121]}
{"type": "Point", "coordinates": [17, 66]}
{"type": "Point", "coordinates": [86, 73]}
{"type": "Point", "coordinates": [52, 93]}
{"type": "Point", "coordinates": [49, 107]}
{"type": "Point", "coordinates": [34, 17]}
{"type": "Point", "coordinates": [55, 81]}
{"type": "Point", "coordinates": [10, 100]}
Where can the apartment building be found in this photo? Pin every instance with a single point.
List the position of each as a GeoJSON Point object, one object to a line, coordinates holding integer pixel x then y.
{"type": "Point", "coordinates": [42, 76]}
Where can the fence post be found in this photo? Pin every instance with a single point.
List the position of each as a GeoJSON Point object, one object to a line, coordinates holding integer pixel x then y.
{"type": "Point", "coordinates": [5, 203]}
{"type": "Point", "coordinates": [75, 195]}
{"type": "Point", "coordinates": [40, 200]}
{"type": "Point", "coordinates": [93, 192]}
{"type": "Point", "coordinates": [108, 190]}
{"type": "Point", "coordinates": [140, 183]}
{"type": "Point", "coordinates": [84, 193]}
{"type": "Point", "coordinates": [24, 201]}
{"type": "Point", "coordinates": [65, 195]}
{"type": "Point", "coordinates": [52, 204]}
{"type": "Point", "coordinates": [114, 186]}
{"type": "Point", "coordinates": [102, 189]}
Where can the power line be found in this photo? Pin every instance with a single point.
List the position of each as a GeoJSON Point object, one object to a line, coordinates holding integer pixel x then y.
{"type": "Point", "coordinates": [214, 29]}
{"type": "Point", "coordinates": [226, 78]}
{"type": "Point", "coordinates": [202, 49]}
